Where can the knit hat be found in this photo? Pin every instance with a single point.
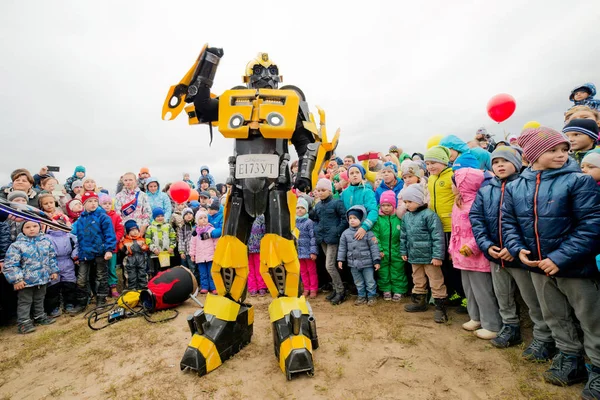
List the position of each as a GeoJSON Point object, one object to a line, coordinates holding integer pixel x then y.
{"type": "Point", "coordinates": [71, 202]}
{"type": "Point", "coordinates": [390, 166]}
{"type": "Point", "coordinates": [360, 168]}
{"type": "Point", "coordinates": [80, 168]}
{"type": "Point", "coordinates": [76, 183]}
{"type": "Point", "coordinates": [510, 154]}
{"type": "Point", "coordinates": [157, 212]}
{"type": "Point", "coordinates": [536, 141]}
{"type": "Point", "coordinates": [393, 149]}
{"type": "Point", "coordinates": [413, 193]}
{"type": "Point", "coordinates": [204, 193]}
{"type": "Point", "coordinates": [105, 191]}
{"type": "Point", "coordinates": [104, 198]}
{"type": "Point", "coordinates": [24, 222]}
{"type": "Point", "coordinates": [588, 127]}
{"type": "Point", "coordinates": [388, 197]}
{"type": "Point", "coordinates": [87, 196]}
{"type": "Point", "coordinates": [194, 204]}
{"type": "Point", "coordinates": [144, 169]}
{"type": "Point", "coordinates": [131, 224]}
{"type": "Point", "coordinates": [355, 212]}
{"type": "Point", "coordinates": [592, 157]}
{"type": "Point", "coordinates": [344, 176]}
{"type": "Point", "coordinates": [302, 203]}
{"type": "Point", "coordinates": [323, 184]}
{"type": "Point", "coordinates": [16, 194]}
{"type": "Point", "coordinates": [215, 204]}
{"type": "Point", "coordinates": [465, 160]}
{"type": "Point", "coordinates": [187, 210]}
{"type": "Point", "coordinates": [438, 154]}
{"type": "Point", "coordinates": [200, 213]}
{"type": "Point", "coordinates": [409, 167]}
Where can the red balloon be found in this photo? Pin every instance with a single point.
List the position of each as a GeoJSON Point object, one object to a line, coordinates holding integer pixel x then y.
{"type": "Point", "coordinates": [180, 192]}
{"type": "Point", "coordinates": [501, 107]}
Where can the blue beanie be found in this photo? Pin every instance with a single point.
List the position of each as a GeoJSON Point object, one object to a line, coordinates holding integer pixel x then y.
{"type": "Point", "coordinates": [360, 168]}
{"type": "Point", "coordinates": [80, 168]}
{"type": "Point", "coordinates": [156, 212]}
{"type": "Point", "coordinates": [131, 224]}
{"type": "Point", "coordinates": [465, 160]}
{"type": "Point", "coordinates": [194, 203]}
{"type": "Point", "coordinates": [391, 165]}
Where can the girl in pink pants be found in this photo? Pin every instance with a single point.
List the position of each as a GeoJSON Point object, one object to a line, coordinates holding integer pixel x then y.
{"type": "Point", "coordinates": [307, 249]}
{"type": "Point", "coordinates": [256, 284]}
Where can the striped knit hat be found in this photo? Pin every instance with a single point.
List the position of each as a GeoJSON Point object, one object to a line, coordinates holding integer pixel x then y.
{"type": "Point", "coordinates": [587, 127]}
{"type": "Point", "coordinates": [537, 141]}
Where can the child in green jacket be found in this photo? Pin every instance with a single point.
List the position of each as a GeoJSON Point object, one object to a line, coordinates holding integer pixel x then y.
{"type": "Point", "coordinates": [391, 278]}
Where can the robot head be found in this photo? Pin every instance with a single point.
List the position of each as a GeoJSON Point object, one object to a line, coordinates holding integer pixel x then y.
{"type": "Point", "coordinates": [262, 73]}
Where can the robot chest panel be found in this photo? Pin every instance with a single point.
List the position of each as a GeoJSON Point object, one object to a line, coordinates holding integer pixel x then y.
{"type": "Point", "coordinates": [269, 112]}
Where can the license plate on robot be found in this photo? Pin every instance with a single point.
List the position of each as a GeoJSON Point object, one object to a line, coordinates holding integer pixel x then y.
{"type": "Point", "coordinates": [257, 166]}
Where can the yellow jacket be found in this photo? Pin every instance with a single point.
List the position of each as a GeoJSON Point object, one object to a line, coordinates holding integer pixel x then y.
{"type": "Point", "coordinates": [442, 198]}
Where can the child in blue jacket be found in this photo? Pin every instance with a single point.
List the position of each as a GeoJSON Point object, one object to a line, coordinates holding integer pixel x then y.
{"type": "Point", "coordinates": [551, 223]}
{"type": "Point", "coordinates": [97, 240]}
{"type": "Point", "coordinates": [583, 95]}
{"type": "Point", "coordinates": [29, 265]}
{"type": "Point", "coordinates": [307, 250]}
{"type": "Point", "coordinates": [507, 275]}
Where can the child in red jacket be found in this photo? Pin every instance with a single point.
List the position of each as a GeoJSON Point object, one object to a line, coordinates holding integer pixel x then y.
{"type": "Point", "coordinates": [106, 202]}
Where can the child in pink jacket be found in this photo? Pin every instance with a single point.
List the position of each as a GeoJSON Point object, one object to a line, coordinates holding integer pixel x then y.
{"type": "Point", "coordinates": [202, 251]}
{"type": "Point", "coordinates": [466, 256]}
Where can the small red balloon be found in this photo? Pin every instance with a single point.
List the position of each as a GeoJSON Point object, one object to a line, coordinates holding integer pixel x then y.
{"type": "Point", "coordinates": [501, 107]}
{"type": "Point", "coordinates": [180, 192]}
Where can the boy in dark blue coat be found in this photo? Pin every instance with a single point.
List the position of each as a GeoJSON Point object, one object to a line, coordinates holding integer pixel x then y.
{"type": "Point", "coordinates": [507, 274]}
{"type": "Point", "coordinates": [97, 240]}
{"type": "Point", "coordinates": [551, 223]}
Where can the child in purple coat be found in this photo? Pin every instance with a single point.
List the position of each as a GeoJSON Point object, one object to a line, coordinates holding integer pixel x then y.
{"type": "Point", "coordinates": [307, 249]}
{"type": "Point", "coordinates": [65, 286]}
{"type": "Point", "coordinates": [256, 284]}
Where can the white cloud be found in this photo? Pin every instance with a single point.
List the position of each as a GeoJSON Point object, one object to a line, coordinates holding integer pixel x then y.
{"type": "Point", "coordinates": [84, 82]}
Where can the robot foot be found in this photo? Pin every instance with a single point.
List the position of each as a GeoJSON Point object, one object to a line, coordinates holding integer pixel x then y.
{"type": "Point", "coordinates": [294, 335]}
{"type": "Point", "coordinates": [219, 331]}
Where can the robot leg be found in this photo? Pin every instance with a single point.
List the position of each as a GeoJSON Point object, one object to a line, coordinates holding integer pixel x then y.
{"type": "Point", "coordinates": [292, 320]}
{"type": "Point", "coordinates": [225, 325]}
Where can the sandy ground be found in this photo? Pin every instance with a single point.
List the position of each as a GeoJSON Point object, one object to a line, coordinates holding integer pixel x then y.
{"type": "Point", "coordinates": [366, 353]}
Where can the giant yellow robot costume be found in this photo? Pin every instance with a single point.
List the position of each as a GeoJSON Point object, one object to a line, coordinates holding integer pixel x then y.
{"type": "Point", "coordinates": [262, 118]}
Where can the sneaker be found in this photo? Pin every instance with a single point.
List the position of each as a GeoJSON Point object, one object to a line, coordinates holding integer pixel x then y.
{"type": "Point", "coordinates": [591, 391]}
{"type": "Point", "coordinates": [253, 293]}
{"type": "Point", "coordinates": [360, 301]}
{"type": "Point", "coordinates": [113, 292]}
{"type": "Point", "coordinates": [44, 320]}
{"type": "Point", "coordinates": [330, 295]}
{"type": "Point", "coordinates": [539, 351]}
{"type": "Point", "coordinates": [387, 296]}
{"type": "Point", "coordinates": [312, 294]}
{"type": "Point", "coordinates": [566, 369]}
{"type": "Point", "coordinates": [214, 292]}
{"type": "Point", "coordinates": [73, 310]}
{"type": "Point", "coordinates": [262, 292]}
{"type": "Point", "coordinates": [305, 293]}
{"type": "Point", "coordinates": [398, 296]}
{"type": "Point", "coordinates": [26, 327]}
{"type": "Point", "coordinates": [509, 335]}
{"type": "Point", "coordinates": [485, 334]}
{"type": "Point", "coordinates": [55, 313]}
{"type": "Point", "coordinates": [372, 301]}
{"type": "Point", "coordinates": [203, 291]}
{"type": "Point", "coordinates": [471, 325]}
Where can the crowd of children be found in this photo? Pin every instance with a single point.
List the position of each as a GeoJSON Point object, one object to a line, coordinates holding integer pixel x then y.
{"type": "Point", "coordinates": [462, 225]}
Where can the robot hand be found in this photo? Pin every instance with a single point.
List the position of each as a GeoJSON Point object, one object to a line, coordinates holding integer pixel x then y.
{"type": "Point", "coordinates": [303, 184]}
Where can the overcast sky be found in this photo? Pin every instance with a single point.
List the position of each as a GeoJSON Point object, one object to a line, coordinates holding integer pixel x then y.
{"type": "Point", "coordinates": [84, 82]}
